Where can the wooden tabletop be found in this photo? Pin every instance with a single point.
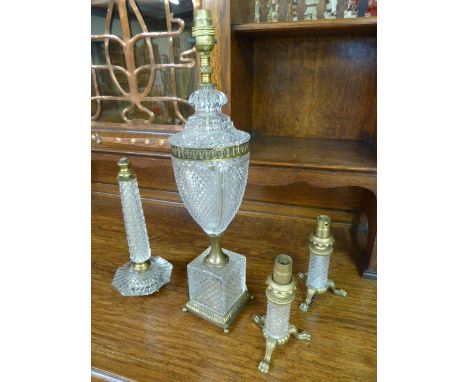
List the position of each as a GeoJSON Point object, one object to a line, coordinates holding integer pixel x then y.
{"type": "Point", "coordinates": [150, 339]}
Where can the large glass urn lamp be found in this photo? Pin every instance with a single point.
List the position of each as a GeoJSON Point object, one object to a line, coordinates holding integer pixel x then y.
{"type": "Point", "coordinates": [210, 160]}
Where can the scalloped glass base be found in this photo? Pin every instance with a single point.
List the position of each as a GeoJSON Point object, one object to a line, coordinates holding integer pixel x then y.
{"type": "Point", "coordinates": [130, 282]}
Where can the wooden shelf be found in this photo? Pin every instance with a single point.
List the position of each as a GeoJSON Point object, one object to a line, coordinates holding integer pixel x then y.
{"type": "Point", "coordinates": [150, 339]}
{"type": "Point", "coordinates": [312, 153]}
{"type": "Point", "coordinates": [312, 27]}
{"type": "Point", "coordinates": [308, 153]}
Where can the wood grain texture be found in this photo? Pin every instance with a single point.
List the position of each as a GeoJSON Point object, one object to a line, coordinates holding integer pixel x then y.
{"type": "Point", "coordinates": [360, 25]}
{"type": "Point", "coordinates": [241, 96]}
{"type": "Point", "coordinates": [287, 176]}
{"type": "Point", "coordinates": [151, 339]}
{"type": "Point", "coordinates": [323, 87]}
{"type": "Point", "coordinates": [300, 211]}
{"type": "Point", "coordinates": [325, 154]}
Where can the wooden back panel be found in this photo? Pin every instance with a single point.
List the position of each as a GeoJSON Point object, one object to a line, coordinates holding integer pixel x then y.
{"type": "Point", "coordinates": [323, 87]}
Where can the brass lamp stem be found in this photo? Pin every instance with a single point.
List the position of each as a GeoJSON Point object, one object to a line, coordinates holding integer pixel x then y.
{"type": "Point", "coordinates": [216, 257]}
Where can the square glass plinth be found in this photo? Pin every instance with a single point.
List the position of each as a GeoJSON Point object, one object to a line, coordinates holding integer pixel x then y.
{"type": "Point", "coordinates": [217, 294]}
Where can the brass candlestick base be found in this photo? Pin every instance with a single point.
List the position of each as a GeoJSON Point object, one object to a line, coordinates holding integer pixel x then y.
{"type": "Point", "coordinates": [271, 342]}
{"type": "Point", "coordinates": [312, 292]}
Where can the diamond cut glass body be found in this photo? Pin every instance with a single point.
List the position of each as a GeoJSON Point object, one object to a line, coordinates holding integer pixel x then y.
{"type": "Point", "coordinates": [212, 190]}
{"type": "Point", "coordinates": [127, 280]}
{"type": "Point", "coordinates": [277, 319]}
{"type": "Point", "coordinates": [217, 289]}
{"type": "Point", "coordinates": [318, 271]}
{"type": "Point", "coordinates": [135, 226]}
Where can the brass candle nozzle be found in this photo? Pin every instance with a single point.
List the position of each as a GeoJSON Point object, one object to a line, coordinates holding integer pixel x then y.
{"type": "Point", "coordinates": [321, 241]}
{"type": "Point", "coordinates": [280, 284]}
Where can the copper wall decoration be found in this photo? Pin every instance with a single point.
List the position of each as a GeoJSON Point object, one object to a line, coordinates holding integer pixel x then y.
{"type": "Point", "coordinates": [133, 95]}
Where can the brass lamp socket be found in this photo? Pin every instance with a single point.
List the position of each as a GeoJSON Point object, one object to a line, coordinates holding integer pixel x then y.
{"type": "Point", "coordinates": [321, 241]}
{"type": "Point", "coordinates": [205, 40]}
{"type": "Point", "coordinates": [280, 284]}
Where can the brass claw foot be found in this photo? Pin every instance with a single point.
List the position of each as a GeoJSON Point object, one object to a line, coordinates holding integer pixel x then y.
{"type": "Point", "coordinates": [304, 307]}
{"type": "Point", "coordinates": [334, 290]}
{"type": "Point", "coordinates": [259, 320]}
{"type": "Point", "coordinates": [264, 365]}
{"type": "Point", "coordinates": [271, 342]}
{"type": "Point", "coordinates": [300, 336]}
{"type": "Point", "coordinates": [302, 276]}
{"type": "Point", "coordinates": [312, 292]}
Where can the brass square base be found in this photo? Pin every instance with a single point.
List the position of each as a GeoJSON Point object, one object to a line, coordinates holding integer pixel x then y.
{"type": "Point", "coordinates": [222, 321]}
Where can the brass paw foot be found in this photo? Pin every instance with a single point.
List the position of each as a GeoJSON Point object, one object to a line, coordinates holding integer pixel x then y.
{"type": "Point", "coordinates": [259, 320]}
{"type": "Point", "coordinates": [304, 307]}
{"type": "Point", "coordinates": [334, 290]}
{"type": "Point", "coordinates": [300, 336]}
{"type": "Point", "coordinates": [264, 365]}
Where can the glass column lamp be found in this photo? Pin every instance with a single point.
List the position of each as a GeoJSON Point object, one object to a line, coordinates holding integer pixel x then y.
{"type": "Point", "coordinates": [210, 159]}
{"type": "Point", "coordinates": [321, 248]}
{"type": "Point", "coordinates": [144, 274]}
{"type": "Point", "coordinates": [275, 325]}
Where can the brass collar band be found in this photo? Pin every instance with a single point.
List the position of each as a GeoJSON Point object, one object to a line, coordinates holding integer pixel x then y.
{"type": "Point", "coordinates": [280, 294]}
{"type": "Point", "coordinates": [321, 247]}
{"type": "Point", "coordinates": [210, 154]}
{"type": "Point", "coordinates": [141, 267]}
{"type": "Point", "coordinates": [125, 172]}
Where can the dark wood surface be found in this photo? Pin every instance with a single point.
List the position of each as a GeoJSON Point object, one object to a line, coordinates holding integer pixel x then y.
{"type": "Point", "coordinates": [325, 154]}
{"type": "Point", "coordinates": [151, 339]}
{"type": "Point", "coordinates": [322, 87]}
{"type": "Point", "coordinates": [307, 27]}
{"type": "Point", "coordinates": [287, 176]}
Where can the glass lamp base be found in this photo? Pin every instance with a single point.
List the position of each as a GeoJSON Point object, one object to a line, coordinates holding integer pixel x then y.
{"type": "Point", "coordinates": [132, 282]}
{"type": "Point", "coordinates": [217, 294]}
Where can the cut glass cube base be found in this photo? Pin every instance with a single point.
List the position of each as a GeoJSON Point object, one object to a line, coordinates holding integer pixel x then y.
{"type": "Point", "coordinates": [217, 294]}
{"type": "Point", "coordinates": [130, 282]}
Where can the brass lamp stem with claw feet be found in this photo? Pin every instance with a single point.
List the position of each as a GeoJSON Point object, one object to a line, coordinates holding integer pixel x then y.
{"type": "Point", "coordinates": [320, 247]}
{"type": "Point", "coordinates": [280, 292]}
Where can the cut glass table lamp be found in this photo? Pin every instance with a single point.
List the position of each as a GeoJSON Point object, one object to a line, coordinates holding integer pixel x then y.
{"type": "Point", "coordinates": [275, 325]}
{"type": "Point", "coordinates": [144, 274]}
{"type": "Point", "coordinates": [210, 160]}
{"type": "Point", "coordinates": [321, 248]}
